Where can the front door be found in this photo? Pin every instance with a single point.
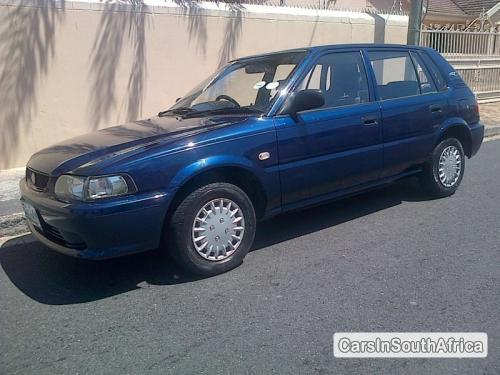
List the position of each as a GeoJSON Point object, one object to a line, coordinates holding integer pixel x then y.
{"type": "Point", "coordinates": [334, 147]}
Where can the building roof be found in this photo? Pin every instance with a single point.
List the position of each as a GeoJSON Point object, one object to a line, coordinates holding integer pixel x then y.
{"type": "Point", "coordinates": [475, 7]}
{"type": "Point", "coordinates": [461, 7]}
{"type": "Point", "coordinates": [445, 7]}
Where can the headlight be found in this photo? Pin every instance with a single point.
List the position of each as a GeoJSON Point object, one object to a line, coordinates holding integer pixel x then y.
{"type": "Point", "coordinates": [93, 188]}
{"type": "Point", "coordinates": [70, 187]}
{"type": "Point", "coordinates": [104, 187]}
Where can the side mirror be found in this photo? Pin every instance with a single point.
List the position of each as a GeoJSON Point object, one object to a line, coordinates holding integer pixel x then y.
{"type": "Point", "coordinates": [302, 101]}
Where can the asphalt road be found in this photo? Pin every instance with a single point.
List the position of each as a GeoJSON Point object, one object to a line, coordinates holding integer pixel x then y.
{"type": "Point", "coordinates": [388, 260]}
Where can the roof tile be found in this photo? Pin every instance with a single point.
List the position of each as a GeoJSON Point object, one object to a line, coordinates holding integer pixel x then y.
{"type": "Point", "coordinates": [445, 7]}
{"type": "Point", "coordinates": [475, 7]}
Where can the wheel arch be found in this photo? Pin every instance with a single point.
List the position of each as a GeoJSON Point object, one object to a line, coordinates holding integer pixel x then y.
{"type": "Point", "coordinates": [234, 173]}
{"type": "Point", "coordinates": [458, 130]}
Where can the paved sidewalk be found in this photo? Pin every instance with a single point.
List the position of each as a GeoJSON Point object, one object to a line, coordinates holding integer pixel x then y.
{"type": "Point", "coordinates": [490, 115]}
{"type": "Point", "coordinates": [11, 216]}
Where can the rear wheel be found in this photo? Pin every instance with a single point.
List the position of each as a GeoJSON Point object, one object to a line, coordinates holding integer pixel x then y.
{"type": "Point", "coordinates": [443, 173]}
{"type": "Point", "coordinates": [212, 229]}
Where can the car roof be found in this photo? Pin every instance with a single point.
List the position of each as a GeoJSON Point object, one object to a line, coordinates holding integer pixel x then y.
{"type": "Point", "coordinates": [335, 46]}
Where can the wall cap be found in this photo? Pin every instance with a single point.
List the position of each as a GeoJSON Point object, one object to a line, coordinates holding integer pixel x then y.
{"type": "Point", "coordinates": [209, 8]}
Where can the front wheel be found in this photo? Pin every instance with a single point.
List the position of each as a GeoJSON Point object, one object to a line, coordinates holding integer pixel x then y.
{"type": "Point", "coordinates": [212, 229]}
{"type": "Point", "coordinates": [443, 173]}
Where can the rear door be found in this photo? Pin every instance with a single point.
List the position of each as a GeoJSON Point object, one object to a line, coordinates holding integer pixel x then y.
{"type": "Point", "coordinates": [412, 108]}
{"type": "Point", "coordinates": [337, 146]}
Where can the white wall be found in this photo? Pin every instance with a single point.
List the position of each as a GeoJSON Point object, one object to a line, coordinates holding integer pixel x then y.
{"type": "Point", "coordinates": [69, 67]}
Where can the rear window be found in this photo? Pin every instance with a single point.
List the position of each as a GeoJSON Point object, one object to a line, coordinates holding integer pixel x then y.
{"type": "Point", "coordinates": [434, 71]}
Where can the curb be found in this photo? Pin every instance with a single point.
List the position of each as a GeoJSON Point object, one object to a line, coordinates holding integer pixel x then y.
{"type": "Point", "coordinates": [491, 131]}
{"type": "Point", "coordinates": [21, 238]}
{"type": "Point", "coordinates": [12, 225]}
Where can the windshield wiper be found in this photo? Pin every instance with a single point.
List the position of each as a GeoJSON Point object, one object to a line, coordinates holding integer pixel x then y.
{"type": "Point", "coordinates": [221, 111]}
{"type": "Point", "coordinates": [177, 111]}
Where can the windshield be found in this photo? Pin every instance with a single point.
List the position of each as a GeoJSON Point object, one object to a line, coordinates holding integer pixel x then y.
{"type": "Point", "coordinates": [247, 85]}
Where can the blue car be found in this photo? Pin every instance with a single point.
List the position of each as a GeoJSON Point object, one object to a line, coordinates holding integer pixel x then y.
{"type": "Point", "coordinates": [264, 135]}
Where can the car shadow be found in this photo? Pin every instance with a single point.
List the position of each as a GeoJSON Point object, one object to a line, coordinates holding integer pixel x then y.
{"type": "Point", "coordinates": [299, 223]}
{"type": "Point", "coordinates": [54, 279]}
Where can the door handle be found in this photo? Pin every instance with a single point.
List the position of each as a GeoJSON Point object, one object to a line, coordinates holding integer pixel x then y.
{"type": "Point", "coordinates": [436, 109]}
{"type": "Point", "coordinates": [369, 120]}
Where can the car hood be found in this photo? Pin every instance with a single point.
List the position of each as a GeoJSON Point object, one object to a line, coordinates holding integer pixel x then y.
{"type": "Point", "coordinates": [118, 140]}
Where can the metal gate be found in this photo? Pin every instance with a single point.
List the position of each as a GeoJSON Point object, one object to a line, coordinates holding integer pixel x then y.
{"type": "Point", "coordinates": [473, 52]}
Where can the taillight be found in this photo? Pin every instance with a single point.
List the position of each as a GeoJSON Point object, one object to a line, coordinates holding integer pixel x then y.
{"type": "Point", "coordinates": [475, 108]}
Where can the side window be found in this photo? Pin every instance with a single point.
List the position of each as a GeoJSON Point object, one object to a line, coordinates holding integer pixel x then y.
{"type": "Point", "coordinates": [395, 74]}
{"type": "Point", "coordinates": [426, 83]}
{"type": "Point", "coordinates": [312, 81]}
{"type": "Point", "coordinates": [341, 77]}
{"type": "Point", "coordinates": [282, 73]}
{"type": "Point", "coordinates": [434, 71]}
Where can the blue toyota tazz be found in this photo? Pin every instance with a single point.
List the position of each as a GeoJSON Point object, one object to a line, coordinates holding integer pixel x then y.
{"type": "Point", "coordinates": [264, 135]}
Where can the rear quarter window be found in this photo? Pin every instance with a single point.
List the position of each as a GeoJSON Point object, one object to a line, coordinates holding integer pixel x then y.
{"type": "Point", "coordinates": [434, 71]}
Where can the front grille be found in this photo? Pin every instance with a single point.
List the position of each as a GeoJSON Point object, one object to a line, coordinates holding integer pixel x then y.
{"type": "Point", "coordinates": [36, 180]}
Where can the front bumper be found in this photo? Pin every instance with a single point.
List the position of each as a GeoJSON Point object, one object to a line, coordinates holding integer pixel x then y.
{"type": "Point", "coordinates": [99, 230]}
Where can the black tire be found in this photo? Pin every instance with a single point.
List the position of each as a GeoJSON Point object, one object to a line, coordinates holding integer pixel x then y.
{"type": "Point", "coordinates": [430, 176]}
{"type": "Point", "coordinates": [179, 234]}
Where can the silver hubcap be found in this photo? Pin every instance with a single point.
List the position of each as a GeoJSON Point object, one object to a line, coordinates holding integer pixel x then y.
{"type": "Point", "coordinates": [450, 164]}
{"type": "Point", "coordinates": [218, 229]}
